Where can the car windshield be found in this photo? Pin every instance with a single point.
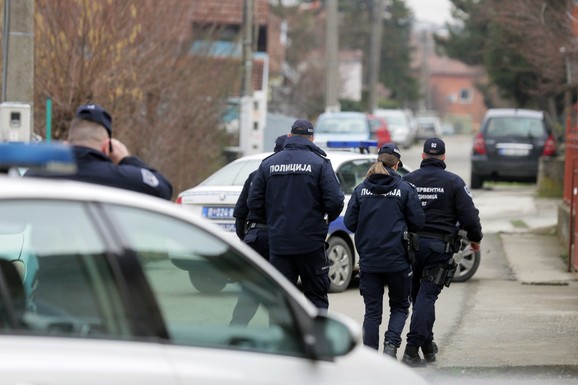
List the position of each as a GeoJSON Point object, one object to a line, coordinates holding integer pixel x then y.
{"type": "Point", "coordinates": [395, 120]}
{"type": "Point", "coordinates": [233, 174]}
{"type": "Point", "coordinates": [515, 126]}
{"type": "Point", "coordinates": [375, 124]}
{"type": "Point", "coordinates": [341, 124]}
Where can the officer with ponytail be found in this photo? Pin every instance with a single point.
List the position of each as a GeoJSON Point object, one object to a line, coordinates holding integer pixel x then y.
{"type": "Point", "coordinates": [382, 211]}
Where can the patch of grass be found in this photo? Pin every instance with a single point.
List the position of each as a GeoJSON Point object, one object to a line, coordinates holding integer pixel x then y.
{"type": "Point", "coordinates": [519, 224]}
{"type": "Point", "coordinates": [564, 257]}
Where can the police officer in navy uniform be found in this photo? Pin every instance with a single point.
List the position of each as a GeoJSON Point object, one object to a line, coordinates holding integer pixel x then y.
{"type": "Point", "coordinates": [106, 161]}
{"type": "Point", "coordinates": [381, 212]}
{"type": "Point", "coordinates": [252, 229]}
{"type": "Point", "coordinates": [447, 203]}
{"type": "Point", "coordinates": [298, 193]}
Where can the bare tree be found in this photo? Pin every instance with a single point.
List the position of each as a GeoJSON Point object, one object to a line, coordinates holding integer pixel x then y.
{"type": "Point", "coordinates": [132, 57]}
{"type": "Point", "coordinates": [538, 30]}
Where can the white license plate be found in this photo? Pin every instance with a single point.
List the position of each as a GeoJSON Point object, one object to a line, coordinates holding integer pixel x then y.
{"type": "Point", "coordinates": [218, 212]}
{"type": "Point", "coordinates": [514, 151]}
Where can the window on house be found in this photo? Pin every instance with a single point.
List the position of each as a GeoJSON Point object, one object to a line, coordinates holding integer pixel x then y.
{"type": "Point", "coordinates": [465, 96]}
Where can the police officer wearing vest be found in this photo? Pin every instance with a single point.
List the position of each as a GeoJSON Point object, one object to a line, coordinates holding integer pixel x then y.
{"type": "Point", "coordinates": [447, 202]}
{"type": "Point", "coordinates": [298, 193]}
{"type": "Point", "coordinates": [106, 161]}
{"type": "Point", "coordinates": [252, 229]}
{"type": "Point", "coordinates": [381, 212]}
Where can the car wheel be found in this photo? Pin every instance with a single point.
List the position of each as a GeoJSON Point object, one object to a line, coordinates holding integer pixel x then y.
{"type": "Point", "coordinates": [476, 181]}
{"type": "Point", "coordinates": [340, 264]}
{"type": "Point", "coordinates": [468, 262]}
{"type": "Point", "coordinates": [206, 282]}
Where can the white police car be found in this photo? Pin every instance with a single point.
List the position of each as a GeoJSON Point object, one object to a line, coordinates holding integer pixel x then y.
{"type": "Point", "coordinates": [112, 305]}
{"type": "Point", "coordinates": [215, 198]}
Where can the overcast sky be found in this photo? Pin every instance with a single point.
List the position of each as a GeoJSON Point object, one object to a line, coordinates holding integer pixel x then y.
{"type": "Point", "coordinates": [432, 11]}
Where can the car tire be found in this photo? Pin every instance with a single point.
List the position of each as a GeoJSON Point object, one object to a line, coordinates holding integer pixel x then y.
{"type": "Point", "coordinates": [206, 282]}
{"type": "Point", "coordinates": [468, 262]}
{"type": "Point", "coordinates": [340, 264]}
{"type": "Point", "coordinates": [476, 181]}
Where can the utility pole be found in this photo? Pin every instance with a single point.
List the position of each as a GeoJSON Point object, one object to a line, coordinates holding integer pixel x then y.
{"type": "Point", "coordinates": [331, 52]}
{"type": "Point", "coordinates": [18, 53]}
{"type": "Point", "coordinates": [246, 102]}
{"type": "Point", "coordinates": [426, 103]}
{"type": "Point", "coordinates": [375, 53]}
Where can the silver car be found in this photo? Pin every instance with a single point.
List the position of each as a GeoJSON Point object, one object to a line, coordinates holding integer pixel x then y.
{"type": "Point", "coordinates": [114, 303]}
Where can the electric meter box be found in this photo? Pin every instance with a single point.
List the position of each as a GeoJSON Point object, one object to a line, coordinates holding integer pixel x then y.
{"type": "Point", "coordinates": [14, 122]}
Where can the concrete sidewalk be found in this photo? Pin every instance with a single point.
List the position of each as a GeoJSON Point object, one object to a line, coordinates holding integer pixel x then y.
{"type": "Point", "coordinates": [534, 251]}
{"type": "Point", "coordinates": [528, 318]}
{"type": "Point", "coordinates": [537, 258]}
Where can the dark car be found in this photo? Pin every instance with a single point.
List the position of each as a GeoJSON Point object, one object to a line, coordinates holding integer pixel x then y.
{"type": "Point", "coordinates": [509, 145]}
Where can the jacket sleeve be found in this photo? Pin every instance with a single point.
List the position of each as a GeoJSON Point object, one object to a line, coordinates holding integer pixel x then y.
{"type": "Point", "coordinates": [352, 213]}
{"type": "Point", "coordinates": [241, 209]}
{"type": "Point", "coordinates": [333, 198]}
{"type": "Point", "coordinates": [468, 214]}
{"type": "Point", "coordinates": [414, 216]}
{"type": "Point", "coordinates": [256, 200]}
{"type": "Point", "coordinates": [140, 177]}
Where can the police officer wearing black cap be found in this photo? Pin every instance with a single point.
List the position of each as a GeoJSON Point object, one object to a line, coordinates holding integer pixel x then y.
{"type": "Point", "coordinates": [381, 212]}
{"type": "Point", "coordinates": [253, 230]}
{"type": "Point", "coordinates": [106, 161]}
{"type": "Point", "coordinates": [297, 191]}
{"type": "Point", "coordinates": [447, 202]}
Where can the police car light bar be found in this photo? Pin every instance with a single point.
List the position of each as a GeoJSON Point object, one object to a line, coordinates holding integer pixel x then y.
{"type": "Point", "coordinates": [351, 143]}
{"type": "Point", "coordinates": [362, 145]}
{"type": "Point", "coordinates": [45, 156]}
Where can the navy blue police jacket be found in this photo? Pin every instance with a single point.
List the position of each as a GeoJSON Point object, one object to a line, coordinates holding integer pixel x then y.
{"type": "Point", "coordinates": [295, 189]}
{"type": "Point", "coordinates": [130, 174]}
{"type": "Point", "coordinates": [380, 210]}
{"type": "Point", "coordinates": [446, 200]}
{"type": "Point", "coordinates": [241, 213]}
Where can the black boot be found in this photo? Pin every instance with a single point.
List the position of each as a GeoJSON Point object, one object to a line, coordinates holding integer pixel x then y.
{"type": "Point", "coordinates": [390, 350]}
{"type": "Point", "coordinates": [429, 351]}
{"type": "Point", "coordinates": [411, 357]}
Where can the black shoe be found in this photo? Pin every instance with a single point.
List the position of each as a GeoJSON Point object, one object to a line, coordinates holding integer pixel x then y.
{"type": "Point", "coordinates": [429, 352]}
{"type": "Point", "coordinates": [411, 357]}
{"type": "Point", "coordinates": [390, 350]}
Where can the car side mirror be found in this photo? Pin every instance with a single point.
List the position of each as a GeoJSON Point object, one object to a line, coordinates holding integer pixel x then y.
{"type": "Point", "coordinates": [333, 336]}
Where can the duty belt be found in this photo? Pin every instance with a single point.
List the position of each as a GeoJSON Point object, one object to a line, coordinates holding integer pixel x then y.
{"type": "Point", "coordinates": [255, 225]}
{"type": "Point", "coordinates": [452, 242]}
{"type": "Point", "coordinates": [441, 236]}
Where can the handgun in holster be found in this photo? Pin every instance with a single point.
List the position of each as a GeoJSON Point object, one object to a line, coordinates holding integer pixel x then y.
{"type": "Point", "coordinates": [441, 274]}
{"type": "Point", "coordinates": [453, 243]}
{"type": "Point", "coordinates": [411, 244]}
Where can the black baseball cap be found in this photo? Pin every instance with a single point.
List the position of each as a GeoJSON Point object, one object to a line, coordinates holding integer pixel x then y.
{"type": "Point", "coordinates": [97, 114]}
{"type": "Point", "coordinates": [279, 143]}
{"type": "Point", "coordinates": [434, 146]}
{"type": "Point", "coordinates": [302, 127]}
{"type": "Point", "coordinates": [391, 148]}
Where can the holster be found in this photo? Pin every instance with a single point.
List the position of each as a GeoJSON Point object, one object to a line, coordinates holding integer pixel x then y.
{"type": "Point", "coordinates": [441, 274]}
{"type": "Point", "coordinates": [411, 244]}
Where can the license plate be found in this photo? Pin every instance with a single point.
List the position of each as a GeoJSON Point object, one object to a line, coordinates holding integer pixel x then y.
{"type": "Point", "coordinates": [514, 151]}
{"type": "Point", "coordinates": [218, 212]}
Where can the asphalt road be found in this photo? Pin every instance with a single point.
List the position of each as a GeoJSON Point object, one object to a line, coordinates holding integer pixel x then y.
{"type": "Point", "coordinates": [515, 321]}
